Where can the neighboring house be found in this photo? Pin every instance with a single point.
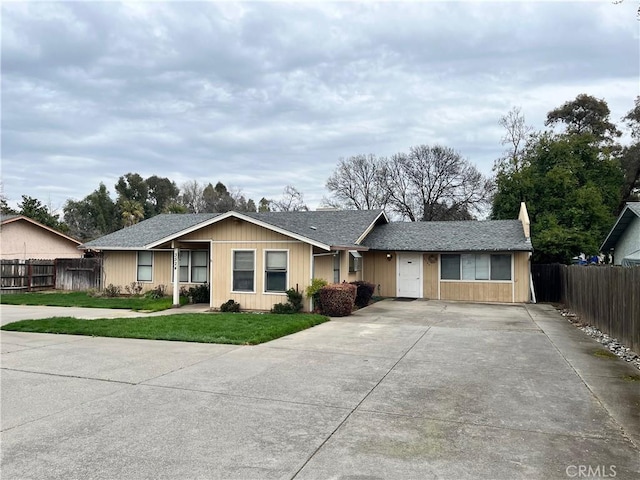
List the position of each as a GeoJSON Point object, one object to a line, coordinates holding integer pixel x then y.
{"type": "Point", "coordinates": [624, 238]}
{"type": "Point", "coordinates": [22, 238]}
{"type": "Point", "coordinates": [253, 258]}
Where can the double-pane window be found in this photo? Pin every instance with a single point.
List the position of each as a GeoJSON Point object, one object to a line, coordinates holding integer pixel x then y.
{"type": "Point", "coordinates": [243, 270]}
{"type": "Point", "coordinates": [145, 266]}
{"type": "Point", "coordinates": [275, 275]}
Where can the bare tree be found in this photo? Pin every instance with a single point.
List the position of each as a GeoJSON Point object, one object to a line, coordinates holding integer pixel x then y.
{"type": "Point", "coordinates": [516, 135]}
{"type": "Point", "coordinates": [435, 183]}
{"type": "Point", "coordinates": [192, 197]}
{"type": "Point", "coordinates": [291, 201]}
{"type": "Point", "coordinates": [357, 183]}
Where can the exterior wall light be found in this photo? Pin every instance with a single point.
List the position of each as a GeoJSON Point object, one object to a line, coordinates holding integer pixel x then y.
{"type": "Point", "coordinates": [389, 256]}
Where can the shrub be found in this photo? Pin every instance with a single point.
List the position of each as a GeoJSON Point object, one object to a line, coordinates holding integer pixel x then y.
{"type": "Point", "coordinates": [158, 292]}
{"type": "Point", "coordinates": [293, 305]}
{"type": "Point", "coordinates": [364, 293]}
{"type": "Point", "coordinates": [313, 291]}
{"type": "Point", "coordinates": [134, 288]}
{"type": "Point", "coordinates": [230, 306]}
{"type": "Point", "coordinates": [200, 294]}
{"type": "Point", "coordinates": [337, 299]}
{"type": "Point", "coordinates": [112, 290]}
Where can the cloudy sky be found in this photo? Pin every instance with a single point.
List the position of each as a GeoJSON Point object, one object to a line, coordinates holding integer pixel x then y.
{"type": "Point", "coordinates": [261, 95]}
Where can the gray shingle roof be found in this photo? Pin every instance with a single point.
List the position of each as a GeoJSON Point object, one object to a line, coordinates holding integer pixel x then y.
{"type": "Point", "coordinates": [332, 228]}
{"type": "Point", "coordinates": [141, 234]}
{"type": "Point", "coordinates": [459, 236]}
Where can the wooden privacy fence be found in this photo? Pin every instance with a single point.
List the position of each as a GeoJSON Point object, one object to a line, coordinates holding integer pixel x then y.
{"type": "Point", "coordinates": [27, 275]}
{"type": "Point", "coordinates": [547, 282]}
{"type": "Point", "coordinates": [62, 274]}
{"type": "Point", "coordinates": [78, 274]}
{"type": "Point", "coordinates": [606, 297]}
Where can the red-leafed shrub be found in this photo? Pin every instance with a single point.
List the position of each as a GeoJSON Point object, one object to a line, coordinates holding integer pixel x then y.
{"type": "Point", "coordinates": [364, 293]}
{"type": "Point", "coordinates": [337, 299]}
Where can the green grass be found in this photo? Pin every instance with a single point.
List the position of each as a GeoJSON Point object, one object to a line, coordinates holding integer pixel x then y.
{"type": "Point", "coordinates": [81, 299]}
{"type": "Point", "coordinates": [604, 354]}
{"type": "Point", "coordinates": [232, 328]}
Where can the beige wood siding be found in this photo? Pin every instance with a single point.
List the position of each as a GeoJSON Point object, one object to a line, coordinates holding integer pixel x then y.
{"type": "Point", "coordinates": [430, 275]}
{"type": "Point", "coordinates": [380, 271]}
{"type": "Point", "coordinates": [476, 291]}
{"type": "Point", "coordinates": [233, 229]}
{"type": "Point", "coordinates": [22, 240]}
{"type": "Point", "coordinates": [121, 269]}
{"type": "Point", "coordinates": [323, 267]}
{"type": "Point", "coordinates": [299, 273]}
{"type": "Point", "coordinates": [521, 268]}
{"type": "Point", "coordinates": [488, 291]}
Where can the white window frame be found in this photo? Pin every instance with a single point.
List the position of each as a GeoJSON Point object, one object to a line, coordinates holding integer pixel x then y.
{"type": "Point", "coordinates": [233, 258]}
{"type": "Point", "coordinates": [264, 277]}
{"type": "Point", "coordinates": [189, 266]}
{"type": "Point", "coordinates": [145, 265]}
{"type": "Point", "coordinates": [475, 255]}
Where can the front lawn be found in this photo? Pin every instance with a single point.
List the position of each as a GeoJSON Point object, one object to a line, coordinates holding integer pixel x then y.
{"type": "Point", "coordinates": [232, 328]}
{"type": "Point", "coordinates": [82, 299]}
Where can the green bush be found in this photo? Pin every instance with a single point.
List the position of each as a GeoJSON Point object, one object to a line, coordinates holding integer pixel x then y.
{"type": "Point", "coordinates": [230, 306]}
{"type": "Point", "coordinates": [364, 293]}
{"type": "Point", "coordinates": [159, 292]}
{"type": "Point", "coordinates": [294, 304]}
{"type": "Point", "coordinates": [313, 291]}
{"type": "Point", "coordinates": [337, 299]}
{"type": "Point", "coordinates": [200, 294]}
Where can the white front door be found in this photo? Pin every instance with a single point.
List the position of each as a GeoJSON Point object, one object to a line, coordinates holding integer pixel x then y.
{"type": "Point", "coordinates": [410, 275]}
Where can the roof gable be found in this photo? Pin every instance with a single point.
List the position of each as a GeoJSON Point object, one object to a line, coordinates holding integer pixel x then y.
{"type": "Point", "coordinates": [7, 219]}
{"type": "Point", "coordinates": [629, 213]}
{"type": "Point", "coordinates": [454, 236]}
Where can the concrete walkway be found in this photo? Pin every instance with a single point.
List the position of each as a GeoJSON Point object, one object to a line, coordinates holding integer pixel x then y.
{"type": "Point", "coordinates": [420, 389]}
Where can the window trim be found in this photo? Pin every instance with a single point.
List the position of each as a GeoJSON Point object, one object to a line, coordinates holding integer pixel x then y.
{"type": "Point", "coordinates": [233, 258]}
{"type": "Point", "coordinates": [264, 277]}
{"type": "Point", "coordinates": [489, 280]}
{"type": "Point", "coordinates": [138, 265]}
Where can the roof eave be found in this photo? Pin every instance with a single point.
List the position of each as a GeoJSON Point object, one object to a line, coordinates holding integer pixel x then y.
{"type": "Point", "coordinates": [615, 232]}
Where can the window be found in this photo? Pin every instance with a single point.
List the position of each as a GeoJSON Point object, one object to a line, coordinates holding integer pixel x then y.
{"type": "Point", "coordinates": [475, 266]}
{"type": "Point", "coordinates": [275, 274]}
{"type": "Point", "coordinates": [355, 261]}
{"type": "Point", "coordinates": [243, 270]}
{"type": "Point", "coordinates": [501, 267]}
{"type": "Point", "coordinates": [199, 264]}
{"type": "Point", "coordinates": [193, 266]}
{"type": "Point", "coordinates": [184, 266]}
{"type": "Point", "coordinates": [145, 266]}
{"type": "Point", "coordinates": [336, 268]}
{"type": "Point", "coordinates": [450, 267]}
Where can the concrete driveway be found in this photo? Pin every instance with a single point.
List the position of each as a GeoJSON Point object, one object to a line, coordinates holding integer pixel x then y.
{"type": "Point", "coordinates": [420, 389]}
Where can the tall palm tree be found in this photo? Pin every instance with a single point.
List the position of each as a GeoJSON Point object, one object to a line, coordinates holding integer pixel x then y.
{"type": "Point", "coordinates": [132, 212]}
